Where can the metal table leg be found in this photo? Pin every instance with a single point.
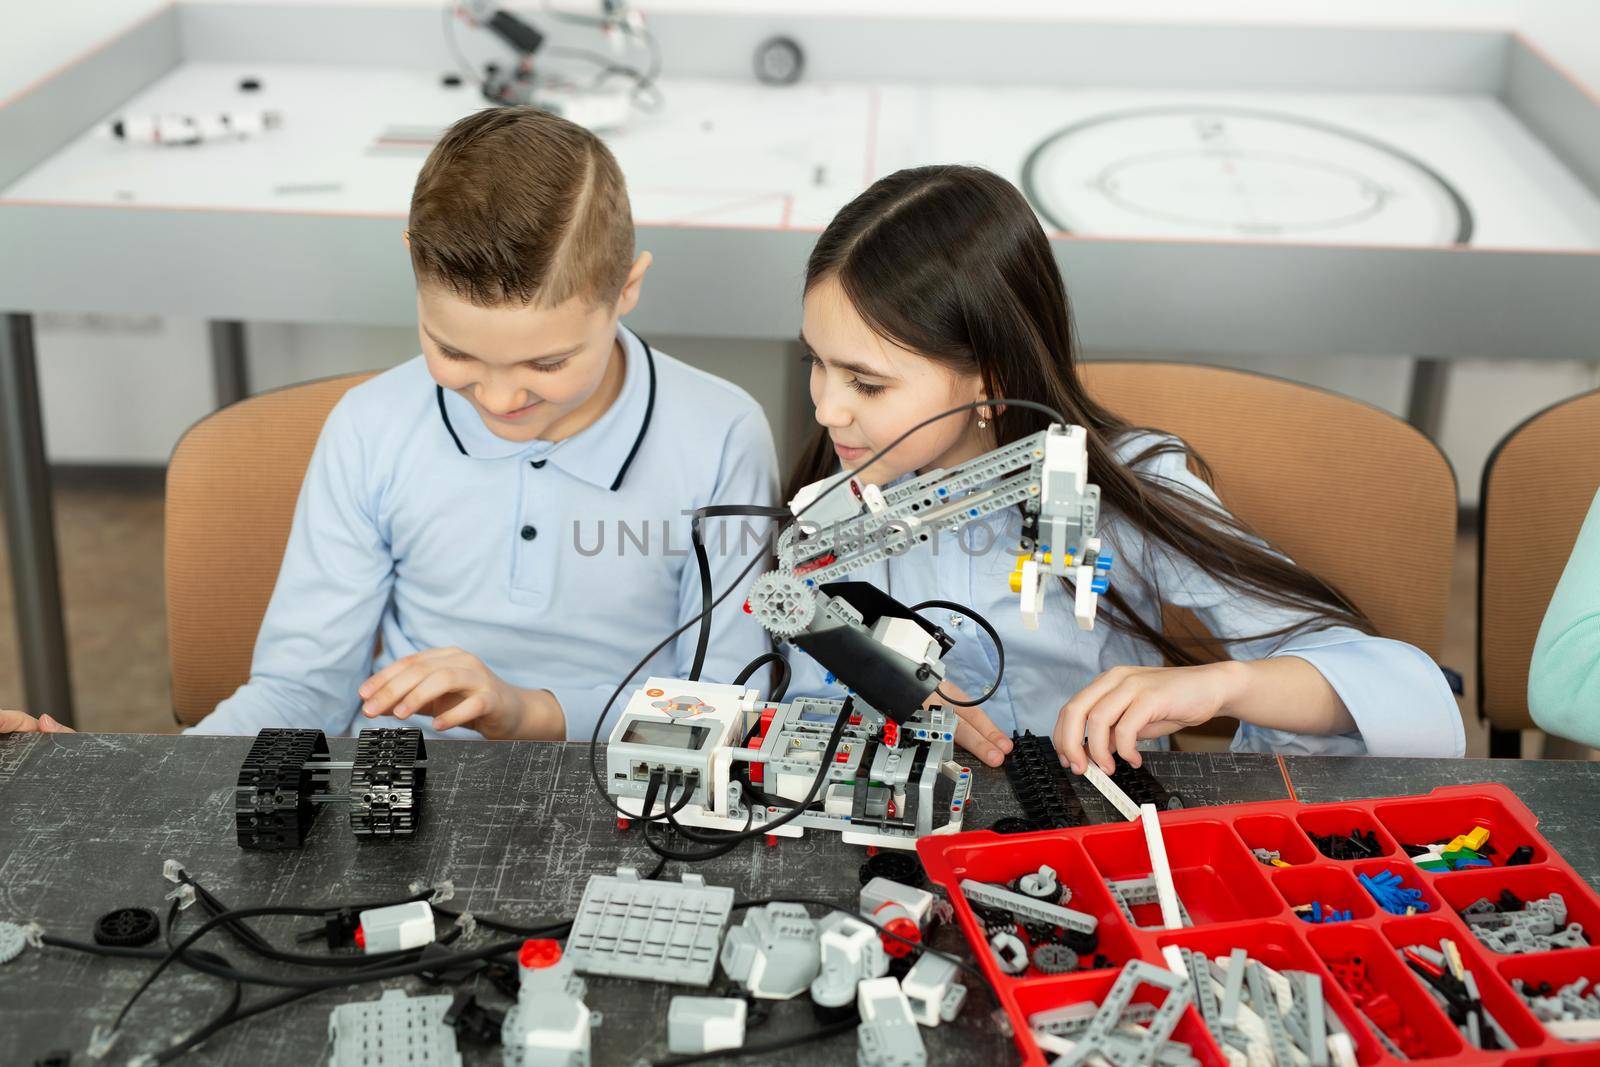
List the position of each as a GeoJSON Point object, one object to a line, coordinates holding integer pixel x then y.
{"type": "Point", "coordinates": [30, 527]}
{"type": "Point", "coordinates": [1425, 408]}
{"type": "Point", "coordinates": [230, 370]}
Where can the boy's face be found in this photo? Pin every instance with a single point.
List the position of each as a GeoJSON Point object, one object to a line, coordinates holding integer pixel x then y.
{"type": "Point", "coordinates": [868, 391]}
{"type": "Point", "coordinates": [531, 372]}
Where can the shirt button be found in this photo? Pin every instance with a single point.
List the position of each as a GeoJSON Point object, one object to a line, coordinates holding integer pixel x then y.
{"type": "Point", "coordinates": [529, 533]}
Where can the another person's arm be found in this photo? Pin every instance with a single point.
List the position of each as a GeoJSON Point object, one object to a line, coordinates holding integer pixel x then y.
{"type": "Point", "coordinates": [1564, 677]}
{"type": "Point", "coordinates": [1320, 689]}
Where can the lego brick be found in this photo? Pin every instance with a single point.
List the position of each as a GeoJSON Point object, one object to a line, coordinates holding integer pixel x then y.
{"type": "Point", "coordinates": [1166, 894]}
{"type": "Point", "coordinates": [851, 951]}
{"type": "Point", "coordinates": [888, 1034]}
{"type": "Point", "coordinates": [933, 990]}
{"type": "Point", "coordinates": [272, 800]}
{"type": "Point", "coordinates": [1000, 897]}
{"type": "Point", "coordinates": [549, 1025]}
{"type": "Point", "coordinates": [705, 1024]}
{"type": "Point", "coordinates": [655, 931]}
{"type": "Point", "coordinates": [399, 926]}
{"type": "Point", "coordinates": [386, 783]}
{"type": "Point", "coordinates": [773, 954]}
{"type": "Point", "coordinates": [393, 1031]}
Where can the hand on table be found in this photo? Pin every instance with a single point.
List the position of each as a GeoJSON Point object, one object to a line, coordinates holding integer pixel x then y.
{"type": "Point", "coordinates": [1126, 705]}
{"type": "Point", "coordinates": [20, 722]}
{"type": "Point", "coordinates": [454, 688]}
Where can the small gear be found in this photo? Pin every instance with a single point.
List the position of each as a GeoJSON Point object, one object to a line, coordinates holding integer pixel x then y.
{"type": "Point", "coordinates": [127, 928]}
{"type": "Point", "coordinates": [1054, 959]}
{"type": "Point", "coordinates": [1040, 885]}
{"type": "Point", "coordinates": [989, 915]}
{"type": "Point", "coordinates": [1009, 953]}
{"type": "Point", "coordinates": [782, 603]}
{"type": "Point", "coordinates": [12, 941]}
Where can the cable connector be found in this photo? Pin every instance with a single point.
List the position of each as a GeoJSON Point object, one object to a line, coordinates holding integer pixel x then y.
{"type": "Point", "coordinates": [33, 934]}
{"type": "Point", "coordinates": [183, 894]}
{"type": "Point", "coordinates": [467, 923]}
{"type": "Point", "coordinates": [441, 891]}
{"type": "Point", "coordinates": [172, 871]}
{"type": "Point", "coordinates": [100, 1042]}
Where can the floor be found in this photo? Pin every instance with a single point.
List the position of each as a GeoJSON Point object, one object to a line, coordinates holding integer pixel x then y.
{"type": "Point", "coordinates": [111, 560]}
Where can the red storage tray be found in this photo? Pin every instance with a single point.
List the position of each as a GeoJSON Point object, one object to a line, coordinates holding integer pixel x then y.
{"type": "Point", "coordinates": [1235, 901]}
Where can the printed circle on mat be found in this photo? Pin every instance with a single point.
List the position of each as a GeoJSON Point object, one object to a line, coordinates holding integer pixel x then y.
{"type": "Point", "coordinates": [1236, 172]}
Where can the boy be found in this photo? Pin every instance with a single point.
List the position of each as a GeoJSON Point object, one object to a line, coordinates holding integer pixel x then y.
{"type": "Point", "coordinates": [508, 511]}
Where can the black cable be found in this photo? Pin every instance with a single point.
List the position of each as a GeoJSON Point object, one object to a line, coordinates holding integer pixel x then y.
{"type": "Point", "coordinates": [703, 563]}
{"type": "Point", "coordinates": [723, 848]}
{"type": "Point", "coordinates": [999, 650]}
{"type": "Point", "coordinates": [394, 971]}
{"type": "Point", "coordinates": [799, 809]}
{"type": "Point", "coordinates": [605, 711]}
{"type": "Point", "coordinates": [252, 940]}
{"type": "Point", "coordinates": [778, 660]}
{"type": "Point", "coordinates": [704, 566]}
{"type": "Point", "coordinates": [222, 1022]}
{"type": "Point", "coordinates": [804, 1037]}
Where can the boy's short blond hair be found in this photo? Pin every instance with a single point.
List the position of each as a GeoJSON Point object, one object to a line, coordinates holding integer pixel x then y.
{"type": "Point", "coordinates": [517, 206]}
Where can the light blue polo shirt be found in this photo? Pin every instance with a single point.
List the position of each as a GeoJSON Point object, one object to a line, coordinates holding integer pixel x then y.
{"type": "Point", "coordinates": [558, 564]}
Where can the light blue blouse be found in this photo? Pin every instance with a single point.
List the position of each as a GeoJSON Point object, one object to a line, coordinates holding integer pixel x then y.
{"type": "Point", "coordinates": [1396, 694]}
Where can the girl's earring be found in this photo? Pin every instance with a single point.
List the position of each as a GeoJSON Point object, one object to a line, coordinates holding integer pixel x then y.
{"type": "Point", "coordinates": [983, 420]}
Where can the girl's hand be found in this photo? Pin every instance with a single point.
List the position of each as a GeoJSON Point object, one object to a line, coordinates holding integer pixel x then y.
{"type": "Point", "coordinates": [456, 689]}
{"type": "Point", "coordinates": [975, 732]}
{"type": "Point", "coordinates": [1128, 704]}
{"type": "Point", "coordinates": [20, 722]}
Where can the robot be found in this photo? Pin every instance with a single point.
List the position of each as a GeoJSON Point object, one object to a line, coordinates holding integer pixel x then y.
{"type": "Point", "coordinates": [716, 756]}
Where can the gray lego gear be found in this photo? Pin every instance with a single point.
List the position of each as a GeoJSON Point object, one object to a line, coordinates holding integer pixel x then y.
{"type": "Point", "coordinates": [782, 603]}
{"type": "Point", "coordinates": [655, 931]}
{"type": "Point", "coordinates": [393, 1031]}
{"type": "Point", "coordinates": [12, 941]}
{"type": "Point", "coordinates": [1010, 954]}
{"type": "Point", "coordinates": [1042, 885]}
{"type": "Point", "coordinates": [774, 953]}
{"type": "Point", "coordinates": [1054, 959]}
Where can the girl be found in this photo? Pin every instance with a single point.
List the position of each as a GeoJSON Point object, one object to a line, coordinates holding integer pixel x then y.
{"type": "Point", "coordinates": [936, 287]}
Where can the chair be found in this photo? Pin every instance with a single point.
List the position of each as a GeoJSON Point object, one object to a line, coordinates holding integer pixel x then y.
{"type": "Point", "coordinates": [1537, 487]}
{"type": "Point", "coordinates": [232, 484]}
{"type": "Point", "coordinates": [1356, 495]}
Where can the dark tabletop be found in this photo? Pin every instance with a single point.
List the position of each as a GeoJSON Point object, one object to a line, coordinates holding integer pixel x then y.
{"type": "Point", "coordinates": [86, 821]}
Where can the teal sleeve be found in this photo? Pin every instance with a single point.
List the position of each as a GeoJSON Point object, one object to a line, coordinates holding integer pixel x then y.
{"type": "Point", "coordinates": [1564, 678]}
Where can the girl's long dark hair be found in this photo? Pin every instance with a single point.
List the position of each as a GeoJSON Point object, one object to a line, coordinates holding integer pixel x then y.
{"type": "Point", "coordinates": [951, 262]}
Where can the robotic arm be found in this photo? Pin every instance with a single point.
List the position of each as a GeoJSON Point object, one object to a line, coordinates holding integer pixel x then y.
{"type": "Point", "coordinates": [890, 657]}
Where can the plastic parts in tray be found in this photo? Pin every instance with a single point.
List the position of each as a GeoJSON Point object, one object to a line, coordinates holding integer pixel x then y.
{"type": "Point", "coordinates": [1234, 901]}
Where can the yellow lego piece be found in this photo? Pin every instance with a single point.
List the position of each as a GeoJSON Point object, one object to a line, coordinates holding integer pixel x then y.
{"type": "Point", "coordinates": [1280, 863]}
{"type": "Point", "coordinates": [1457, 843]}
{"type": "Point", "coordinates": [1477, 837]}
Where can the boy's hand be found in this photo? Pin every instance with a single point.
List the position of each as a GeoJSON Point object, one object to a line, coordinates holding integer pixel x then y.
{"type": "Point", "coordinates": [1125, 705]}
{"type": "Point", "coordinates": [20, 722]}
{"type": "Point", "coordinates": [456, 689]}
{"type": "Point", "coordinates": [975, 731]}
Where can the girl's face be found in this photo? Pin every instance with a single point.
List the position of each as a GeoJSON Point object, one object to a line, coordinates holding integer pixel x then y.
{"type": "Point", "coordinates": [868, 391]}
